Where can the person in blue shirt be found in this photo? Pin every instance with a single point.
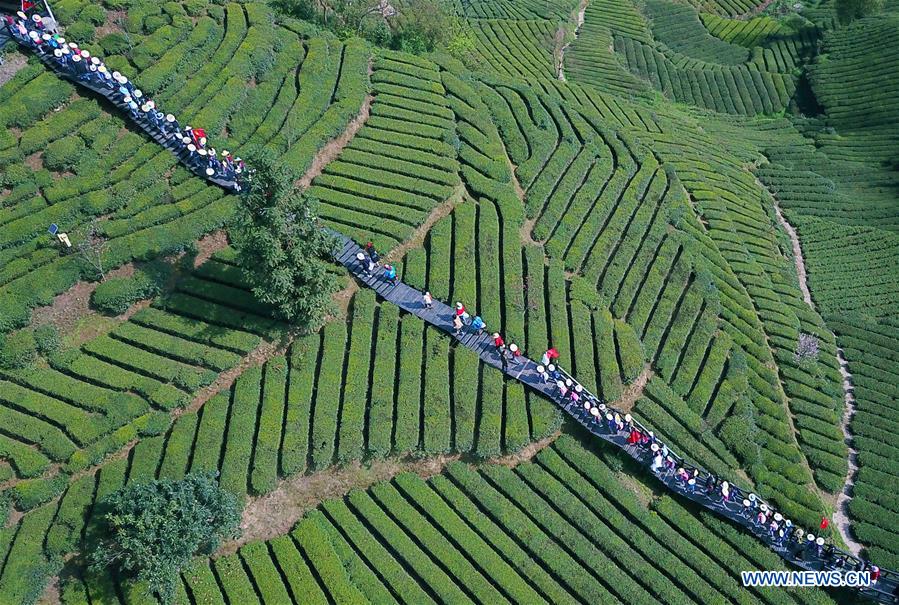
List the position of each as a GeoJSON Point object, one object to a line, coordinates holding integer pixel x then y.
{"type": "Point", "coordinates": [478, 324]}
{"type": "Point", "coordinates": [390, 273]}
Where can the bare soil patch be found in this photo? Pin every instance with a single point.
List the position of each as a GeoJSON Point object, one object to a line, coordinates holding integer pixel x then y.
{"type": "Point", "coordinates": [634, 391]}
{"type": "Point", "coordinates": [113, 24]}
{"type": "Point", "coordinates": [209, 245]}
{"type": "Point", "coordinates": [72, 315]}
{"type": "Point", "coordinates": [12, 63]}
{"type": "Point", "coordinates": [421, 232]}
{"type": "Point", "coordinates": [35, 161]}
{"type": "Point", "coordinates": [332, 149]}
{"type": "Point", "coordinates": [275, 514]}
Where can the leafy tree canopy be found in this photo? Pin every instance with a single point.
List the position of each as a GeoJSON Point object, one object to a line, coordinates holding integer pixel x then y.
{"type": "Point", "coordinates": [282, 247]}
{"type": "Point", "coordinates": [153, 529]}
{"type": "Point", "coordinates": [850, 10]}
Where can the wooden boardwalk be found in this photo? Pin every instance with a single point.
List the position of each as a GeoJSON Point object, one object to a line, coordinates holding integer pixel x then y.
{"type": "Point", "coordinates": [802, 554]}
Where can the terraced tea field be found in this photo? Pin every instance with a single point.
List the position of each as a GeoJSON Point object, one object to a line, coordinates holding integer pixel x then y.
{"type": "Point", "coordinates": [693, 203]}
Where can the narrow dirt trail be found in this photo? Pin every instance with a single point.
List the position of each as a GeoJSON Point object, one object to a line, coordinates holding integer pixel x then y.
{"type": "Point", "coordinates": [580, 22]}
{"type": "Point", "coordinates": [332, 149]}
{"type": "Point", "coordinates": [840, 514]}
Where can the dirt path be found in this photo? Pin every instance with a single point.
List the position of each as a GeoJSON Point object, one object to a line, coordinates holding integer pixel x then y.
{"type": "Point", "coordinates": [840, 513]}
{"type": "Point", "coordinates": [276, 513]}
{"type": "Point", "coordinates": [577, 29]}
{"type": "Point", "coordinates": [634, 391]}
{"type": "Point", "coordinates": [421, 232]}
{"type": "Point", "coordinates": [329, 152]}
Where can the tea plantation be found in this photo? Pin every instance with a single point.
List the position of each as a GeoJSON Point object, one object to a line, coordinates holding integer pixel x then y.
{"type": "Point", "coordinates": [694, 203]}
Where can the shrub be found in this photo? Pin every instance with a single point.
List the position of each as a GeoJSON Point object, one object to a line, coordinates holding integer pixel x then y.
{"type": "Point", "coordinates": [115, 295]}
{"type": "Point", "coordinates": [154, 22]}
{"type": "Point", "coordinates": [195, 8]}
{"type": "Point", "coordinates": [34, 492]}
{"type": "Point", "coordinates": [93, 13]}
{"type": "Point", "coordinates": [47, 339]}
{"type": "Point", "coordinates": [17, 350]}
{"type": "Point", "coordinates": [82, 31]}
{"type": "Point", "coordinates": [115, 44]}
{"type": "Point", "coordinates": [63, 154]}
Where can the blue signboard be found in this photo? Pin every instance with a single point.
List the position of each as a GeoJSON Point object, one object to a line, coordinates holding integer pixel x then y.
{"type": "Point", "coordinates": [54, 229]}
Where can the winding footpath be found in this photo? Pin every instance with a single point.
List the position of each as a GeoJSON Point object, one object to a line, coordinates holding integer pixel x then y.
{"type": "Point", "coordinates": [801, 553]}
{"type": "Point", "coordinates": [580, 23]}
{"type": "Point", "coordinates": [840, 513]}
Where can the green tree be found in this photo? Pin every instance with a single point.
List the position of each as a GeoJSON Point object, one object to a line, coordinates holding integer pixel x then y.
{"type": "Point", "coordinates": [153, 529]}
{"type": "Point", "coordinates": [850, 10]}
{"type": "Point", "coordinates": [283, 248]}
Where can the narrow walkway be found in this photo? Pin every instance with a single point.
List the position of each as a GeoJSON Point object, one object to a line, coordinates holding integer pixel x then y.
{"type": "Point", "coordinates": [841, 509]}
{"type": "Point", "coordinates": [804, 553]}
{"type": "Point", "coordinates": [112, 95]}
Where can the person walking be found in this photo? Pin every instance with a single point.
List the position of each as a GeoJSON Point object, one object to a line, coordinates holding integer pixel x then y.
{"type": "Point", "coordinates": [457, 326]}
{"type": "Point", "coordinates": [545, 360]}
{"type": "Point", "coordinates": [363, 266]}
{"type": "Point", "coordinates": [499, 343]}
{"type": "Point", "coordinates": [390, 274]}
{"type": "Point", "coordinates": [428, 301]}
{"type": "Point", "coordinates": [553, 372]}
{"type": "Point", "coordinates": [657, 462]}
{"type": "Point", "coordinates": [544, 375]}
{"type": "Point", "coordinates": [516, 353]}
{"type": "Point", "coordinates": [370, 249]}
{"type": "Point", "coordinates": [478, 324]}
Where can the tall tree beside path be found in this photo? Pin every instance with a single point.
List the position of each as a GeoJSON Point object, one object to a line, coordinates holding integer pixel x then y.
{"type": "Point", "coordinates": [283, 248]}
{"type": "Point", "coordinates": [154, 529]}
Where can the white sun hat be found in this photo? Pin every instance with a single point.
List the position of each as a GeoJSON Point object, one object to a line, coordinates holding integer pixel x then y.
{"type": "Point", "coordinates": [76, 58]}
{"type": "Point", "coordinates": [57, 53]}
{"type": "Point", "coordinates": [210, 171]}
{"type": "Point", "coordinates": [169, 118]}
{"type": "Point", "coordinates": [85, 54]}
{"type": "Point", "coordinates": [191, 147]}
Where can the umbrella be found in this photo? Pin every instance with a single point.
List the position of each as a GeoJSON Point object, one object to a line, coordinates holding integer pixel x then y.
{"type": "Point", "coordinates": [552, 353]}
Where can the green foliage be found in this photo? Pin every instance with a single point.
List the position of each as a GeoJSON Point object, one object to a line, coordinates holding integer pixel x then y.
{"type": "Point", "coordinates": [153, 529]}
{"type": "Point", "coordinates": [850, 10]}
{"type": "Point", "coordinates": [17, 350]}
{"type": "Point", "coordinates": [64, 154]}
{"type": "Point", "coordinates": [81, 30]}
{"type": "Point", "coordinates": [114, 296]}
{"type": "Point", "coordinates": [46, 338]}
{"type": "Point", "coordinates": [282, 247]}
{"type": "Point", "coordinates": [115, 44]}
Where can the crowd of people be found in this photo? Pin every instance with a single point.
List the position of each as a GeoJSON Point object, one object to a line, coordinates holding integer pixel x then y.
{"type": "Point", "coordinates": [78, 64]}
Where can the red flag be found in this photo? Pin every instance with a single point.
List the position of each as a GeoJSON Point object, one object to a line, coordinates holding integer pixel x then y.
{"type": "Point", "coordinates": [824, 522]}
{"type": "Point", "coordinates": [26, 5]}
{"type": "Point", "coordinates": [198, 133]}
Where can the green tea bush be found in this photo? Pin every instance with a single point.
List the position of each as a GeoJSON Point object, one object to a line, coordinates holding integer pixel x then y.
{"type": "Point", "coordinates": [64, 154]}
{"type": "Point", "coordinates": [46, 338]}
{"type": "Point", "coordinates": [93, 13]}
{"type": "Point", "coordinates": [115, 44]}
{"type": "Point", "coordinates": [115, 295]}
{"type": "Point", "coordinates": [82, 31]}
{"type": "Point", "coordinates": [17, 350]}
